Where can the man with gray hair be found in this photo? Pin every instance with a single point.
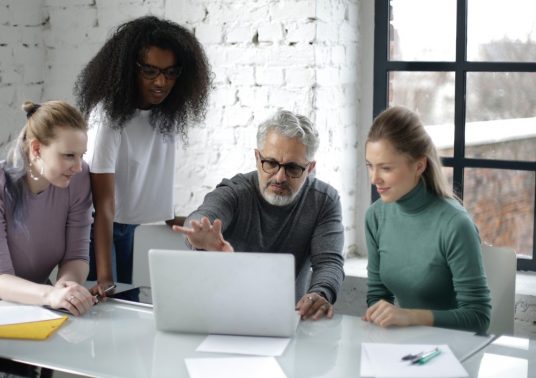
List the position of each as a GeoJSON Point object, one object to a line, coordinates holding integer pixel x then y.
{"type": "Point", "coordinates": [281, 207]}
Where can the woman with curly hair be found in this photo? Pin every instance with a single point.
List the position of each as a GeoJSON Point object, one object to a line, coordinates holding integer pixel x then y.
{"type": "Point", "coordinates": [140, 90]}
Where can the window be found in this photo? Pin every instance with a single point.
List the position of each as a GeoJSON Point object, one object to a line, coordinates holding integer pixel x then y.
{"type": "Point", "coordinates": [468, 68]}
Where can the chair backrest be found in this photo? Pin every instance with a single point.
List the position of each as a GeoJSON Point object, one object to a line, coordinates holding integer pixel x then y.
{"type": "Point", "coordinates": [151, 236]}
{"type": "Point", "coordinates": [500, 265]}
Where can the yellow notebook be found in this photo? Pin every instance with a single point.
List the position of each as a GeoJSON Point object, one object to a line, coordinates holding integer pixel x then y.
{"type": "Point", "coordinates": [32, 330]}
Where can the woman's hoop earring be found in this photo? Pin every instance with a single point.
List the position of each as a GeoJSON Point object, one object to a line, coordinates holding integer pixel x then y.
{"type": "Point", "coordinates": [30, 171]}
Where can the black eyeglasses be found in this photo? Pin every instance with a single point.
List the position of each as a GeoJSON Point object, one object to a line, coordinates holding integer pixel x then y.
{"type": "Point", "coordinates": [152, 72]}
{"type": "Point", "coordinates": [292, 170]}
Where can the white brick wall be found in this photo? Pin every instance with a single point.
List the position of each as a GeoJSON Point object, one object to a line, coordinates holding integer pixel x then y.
{"type": "Point", "coordinates": [268, 54]}
{"type": "Point", "coordinates": [302, 56]}
{"type": "Point", "coordinates": [21, 60]}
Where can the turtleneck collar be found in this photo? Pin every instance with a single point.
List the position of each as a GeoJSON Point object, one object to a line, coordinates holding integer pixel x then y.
{"type": "Point", "coordinates": [416, 200]}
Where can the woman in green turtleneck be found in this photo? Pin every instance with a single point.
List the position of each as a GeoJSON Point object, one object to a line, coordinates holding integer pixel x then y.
{"type": "Point", "coordinates": [423, 247]}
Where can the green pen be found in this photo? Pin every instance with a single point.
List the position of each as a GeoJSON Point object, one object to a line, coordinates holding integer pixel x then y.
{"type": "Point", "coordinates": [427, 357]}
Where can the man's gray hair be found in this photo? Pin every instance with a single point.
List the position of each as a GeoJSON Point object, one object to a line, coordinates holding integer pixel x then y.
{"type": "Point", "coordinates": [290, 125]}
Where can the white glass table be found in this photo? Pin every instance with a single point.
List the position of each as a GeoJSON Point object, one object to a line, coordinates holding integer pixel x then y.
{"type": "Point", "coordinates": [512, 357]}
{"type": "Point", "coordinates": [119, 340]}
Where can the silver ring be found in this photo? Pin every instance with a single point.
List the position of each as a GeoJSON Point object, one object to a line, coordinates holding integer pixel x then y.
{"type": "Point", "coordinates": [310, 298]}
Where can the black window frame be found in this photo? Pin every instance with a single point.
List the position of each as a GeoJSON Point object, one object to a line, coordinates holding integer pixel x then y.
{"type": "Point", "coordinates": [383, 66]}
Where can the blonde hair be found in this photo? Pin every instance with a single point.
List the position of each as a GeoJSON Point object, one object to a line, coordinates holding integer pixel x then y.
{"type": "Point", "coordinates": [404, 130]}
{"type": "Point", "coordinates": [43, 120]}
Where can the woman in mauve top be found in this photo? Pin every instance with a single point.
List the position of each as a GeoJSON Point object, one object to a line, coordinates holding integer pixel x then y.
{"type": "Point", "coordinates": [423, 247]}
{"type": "Point", "coordinates": [45, 211]}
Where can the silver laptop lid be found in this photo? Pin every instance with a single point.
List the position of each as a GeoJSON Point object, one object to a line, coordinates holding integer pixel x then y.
{"type": "Point", "coordinates": [240, 293]}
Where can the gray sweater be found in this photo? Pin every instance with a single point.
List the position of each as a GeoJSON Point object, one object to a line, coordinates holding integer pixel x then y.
{"type": "Point", "coordinates": [310, 227]}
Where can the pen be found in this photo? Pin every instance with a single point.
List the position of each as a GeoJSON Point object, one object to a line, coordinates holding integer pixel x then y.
{"type": "Point", "coordinates": [426, 357]}
{"type": "Point", "coordinates": [412, 357]}
{"type": "Point", "coordinates": [98, 297]}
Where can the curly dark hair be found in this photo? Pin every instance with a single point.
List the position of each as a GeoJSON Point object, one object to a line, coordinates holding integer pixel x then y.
{"type": "Point", "coordinates": [110, 77]}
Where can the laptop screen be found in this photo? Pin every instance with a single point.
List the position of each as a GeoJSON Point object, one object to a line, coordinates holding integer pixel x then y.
{"type": "Point", "coordinates": [241, 293]}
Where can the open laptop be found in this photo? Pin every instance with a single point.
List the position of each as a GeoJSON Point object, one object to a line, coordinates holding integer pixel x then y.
{"type": "Point", "coordinates": [240, 293]}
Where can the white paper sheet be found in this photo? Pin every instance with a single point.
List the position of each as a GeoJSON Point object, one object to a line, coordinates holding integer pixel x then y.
{"type": "Point", "coordinates": [258, 346]}
{"type": "Point", "coordinates": [238, 367]}
{"type": "Point", "coordinates": [385, 360]}
{"type": "Point", "coordinates": [12, 313]}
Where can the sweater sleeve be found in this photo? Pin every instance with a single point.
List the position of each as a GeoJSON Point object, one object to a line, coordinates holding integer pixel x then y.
{"type": "Point", "coordinates": [376, 290]}
{"type": "Point", "coordinates": [6, 265]}
{"type": "Point", "coordinates": [217, 204]}
{"type": "Point", "coordinates": [326, 251]}
{"type": "Point", "coordinates": [78, 224]}
{"type": "Point", "coordinates": [461, 245]}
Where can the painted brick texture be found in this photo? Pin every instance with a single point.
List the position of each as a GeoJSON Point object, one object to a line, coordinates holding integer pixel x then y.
{"type": "Point", "coordinates": [300, 55]}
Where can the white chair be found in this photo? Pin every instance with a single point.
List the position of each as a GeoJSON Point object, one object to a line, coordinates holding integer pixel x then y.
{"type": "Point", "coordinates": [500, 265]}
{"type": "Point", "coordinates": [150, 236]}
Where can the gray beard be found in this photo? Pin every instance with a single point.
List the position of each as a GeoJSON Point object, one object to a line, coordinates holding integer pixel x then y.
{"type": "Point", "coordinates": [276, 199]}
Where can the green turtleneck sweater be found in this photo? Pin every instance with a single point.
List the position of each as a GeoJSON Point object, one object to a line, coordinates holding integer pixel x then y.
{"type": "Point", "coordinates": [425, 251]}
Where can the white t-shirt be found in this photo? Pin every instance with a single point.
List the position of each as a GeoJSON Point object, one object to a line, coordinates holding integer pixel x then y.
{"type": "Point", "coordinates": [143, 161]}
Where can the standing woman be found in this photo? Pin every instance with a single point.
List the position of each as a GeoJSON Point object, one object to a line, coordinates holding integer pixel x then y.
{"type": "Point", "coordinates": [141, 89]}
{"type": "Point", "coordinates": [423, 247]}
{"type": "Point", "coordinates": [45, 210]}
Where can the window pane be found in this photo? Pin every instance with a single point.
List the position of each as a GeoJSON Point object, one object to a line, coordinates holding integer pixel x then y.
{"type": "Point", "coordinates": [422, 30]}
{"type": "Point", "coordinates": [501, 203]}
{"type": "Point", "coordinates": [501, 115]}
{"type": "Point", "coordinates": [431, 95]}
{"type": "Point", "coordinates": [499, 30]}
